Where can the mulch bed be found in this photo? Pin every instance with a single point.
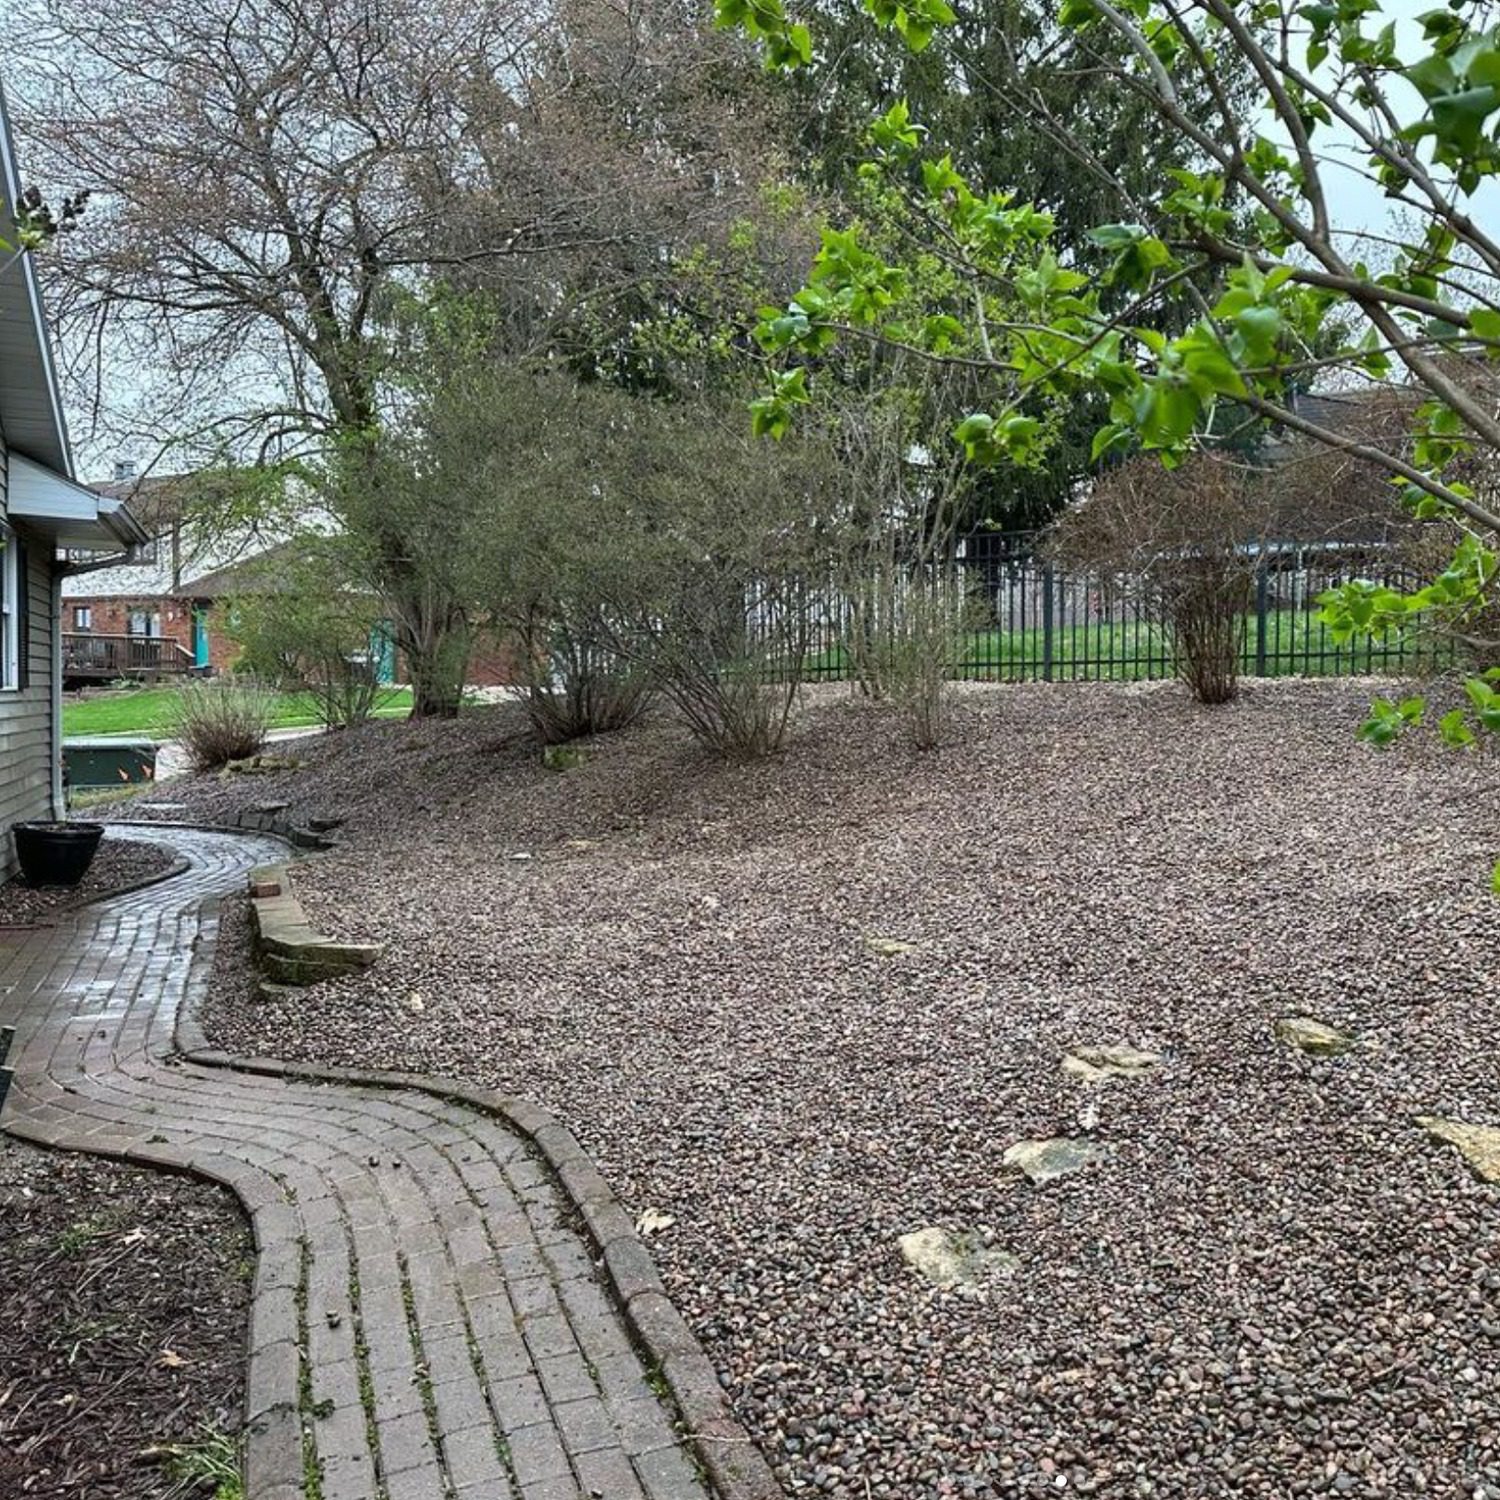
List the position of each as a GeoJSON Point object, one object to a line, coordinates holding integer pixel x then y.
{"type": "Point", "coordinates": [123, 1305]}
{"type": "Point", "coordinates": [119, 863]}
{"type": "Point", "coordinates": [1271, 1284]}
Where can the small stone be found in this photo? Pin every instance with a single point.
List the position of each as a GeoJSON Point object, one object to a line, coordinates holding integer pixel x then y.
{"type": "Point", "coordinates": [1095, 1064]}
{"type": "Point", "coordinates": [262, 765]}
{"type": "Point", "coordinates": [952, 1260]}
{"type": "Point", "coordinates": [1044, 1161]}
{"type": "Point", "coordinates": [1478, 1144]}
{"type": "Point", "coordinates": [1313, 1037]}
{"type": "Point", "coordinates": [888, 947]}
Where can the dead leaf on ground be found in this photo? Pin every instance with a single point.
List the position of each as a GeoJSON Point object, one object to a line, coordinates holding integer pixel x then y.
{"type": "Point", "coordinates": [653, 1221]}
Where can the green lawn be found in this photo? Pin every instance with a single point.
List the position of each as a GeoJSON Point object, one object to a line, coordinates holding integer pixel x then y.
{"type": "Point", "coordinates": [148, 711]}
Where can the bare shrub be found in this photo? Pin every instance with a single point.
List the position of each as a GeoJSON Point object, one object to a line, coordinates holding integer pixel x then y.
{"type": "Point", "coordinates": [1188, 542]}
{"type": "Point", "coordinates": [576, 682]}
{"type": "Point", "coordinates": [905, 609]}
{"type": "Point", "coordinates": [1206, 600]}
{"type": "Point", "coordinates": [719, 561]}
{"type": "Point", "coordinates": [221, 719]}
{"type": "Point", "coordinates": [934, 614]}
{"type": "Point", "coordinates": [635, 545]}
{"type": "Point", "coordinates": [729, 649]}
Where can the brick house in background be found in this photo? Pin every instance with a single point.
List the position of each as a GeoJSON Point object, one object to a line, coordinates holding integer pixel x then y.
{"type": "Point", "coordinates": [162, 615]}
{"type": "Point", "coordinates": [154, 617]}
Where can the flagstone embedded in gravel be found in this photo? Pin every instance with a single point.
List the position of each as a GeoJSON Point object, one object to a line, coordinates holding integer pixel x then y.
{"type": "Point", "coordinates": [1096, 1064]}
{"type": "Point", "coordinates": [1479, 1145]}
{"type": "Point", "coordinates": [1313, 1036]}
{"type": "Point", "coordinates": [1274, 1286]}
{"type": "Point", "coordinates": [949, 1258]}
{"type": "Point", "coordinates": [1045, 1161]}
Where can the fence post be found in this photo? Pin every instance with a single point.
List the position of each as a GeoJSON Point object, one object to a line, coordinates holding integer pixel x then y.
{"type": "Point", "coordinates": [1047, 623]}
{"type": "Point", "coordinates": [1260, 618]}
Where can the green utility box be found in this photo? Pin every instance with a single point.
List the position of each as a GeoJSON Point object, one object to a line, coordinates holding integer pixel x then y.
{"type": "Point", "coordinates": [94, 763]}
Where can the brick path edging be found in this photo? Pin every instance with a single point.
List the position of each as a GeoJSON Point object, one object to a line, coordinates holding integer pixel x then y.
{"type": "Point", "coordinates": [728, 1454]}
{"type": "Point", "coordinates": [179, 866]}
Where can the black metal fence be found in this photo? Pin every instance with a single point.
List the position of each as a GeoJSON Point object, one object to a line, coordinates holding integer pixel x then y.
{"type": "Point", "coordinates": [1039, 622]}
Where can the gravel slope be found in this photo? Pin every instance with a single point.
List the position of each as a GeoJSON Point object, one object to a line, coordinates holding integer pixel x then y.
{"type": "Point", "coordinates": [1272, 1285]}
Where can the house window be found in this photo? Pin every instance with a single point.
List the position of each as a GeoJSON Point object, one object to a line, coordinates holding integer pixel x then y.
{"type": "Point", "coordinates": [143, 622]}
{"type": "Point", "coordinates": [10, 610]}
{"type": "Point", "coordinates": [83, 617]}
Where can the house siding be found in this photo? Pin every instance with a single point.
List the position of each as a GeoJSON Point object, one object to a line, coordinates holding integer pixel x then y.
{"type": "Point", "coordinates": [27, 752]}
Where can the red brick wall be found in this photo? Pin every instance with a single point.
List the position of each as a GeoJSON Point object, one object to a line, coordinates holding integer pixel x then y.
{"type": "Point", "coordinates": [493, 662]}
{"type": "Point", "coordinates": [112, 617]}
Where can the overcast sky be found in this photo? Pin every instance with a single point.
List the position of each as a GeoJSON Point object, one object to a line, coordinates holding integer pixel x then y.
{"type": "Point", "coordinates": [1355, 201]}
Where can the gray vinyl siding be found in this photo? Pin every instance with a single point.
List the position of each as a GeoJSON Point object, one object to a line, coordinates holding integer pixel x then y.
{"type": "Point", "coordinates": [26, 725]}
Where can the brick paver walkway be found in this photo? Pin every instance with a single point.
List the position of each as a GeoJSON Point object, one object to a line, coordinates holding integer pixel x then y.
{"type": "Point", "coordinates": [426, 1322]}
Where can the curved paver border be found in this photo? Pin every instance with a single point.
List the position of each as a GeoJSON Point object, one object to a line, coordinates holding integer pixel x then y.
{"type": "Point", "coordinates": [726, 1450]}
{"type": "Point", "coordinates": [179, 866]}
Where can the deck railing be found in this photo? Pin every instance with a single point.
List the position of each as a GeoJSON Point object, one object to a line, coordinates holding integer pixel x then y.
{"type": "Point", "coordinates": [111, 656]}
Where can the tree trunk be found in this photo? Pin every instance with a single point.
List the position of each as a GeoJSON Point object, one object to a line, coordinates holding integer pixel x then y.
{"type": "Point", "coordinates": [436, 658]}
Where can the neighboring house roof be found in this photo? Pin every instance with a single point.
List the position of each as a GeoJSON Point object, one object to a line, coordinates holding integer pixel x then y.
{"type": "Point", "coordinates": [157, 501]}
{"type": "Point", "coordinates": [251, 575]}
{"type": "Point", "coordinates": [188, 544]}
{"type": "Point", "coordinates": [41, 491]}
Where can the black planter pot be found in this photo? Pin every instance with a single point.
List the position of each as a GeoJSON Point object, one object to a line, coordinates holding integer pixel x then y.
{"type": "Point", "coordinates": [56, 853]}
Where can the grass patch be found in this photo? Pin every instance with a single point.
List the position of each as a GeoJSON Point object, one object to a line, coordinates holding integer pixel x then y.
{"type": "Point", "coordinates": [148, 711]}
{"type": "Point", "coordinates": [212, 1459]}
{"type": "Point", "coordinates": [80, 798]}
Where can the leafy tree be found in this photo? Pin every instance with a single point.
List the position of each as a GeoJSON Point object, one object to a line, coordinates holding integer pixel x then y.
{"type": "Point", "coordinates": [1008, 95]}
{"type": "Point", "coordinates": [1304, 297]}
{"type": "Point", "coordinates": [274, 175]}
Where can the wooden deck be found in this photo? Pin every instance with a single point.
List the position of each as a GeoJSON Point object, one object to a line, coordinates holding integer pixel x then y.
{"type": "Point", "coordinates": [87, 657]}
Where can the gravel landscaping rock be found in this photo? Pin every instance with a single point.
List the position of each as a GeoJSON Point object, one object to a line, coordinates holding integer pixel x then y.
{"type": "Point", "coordinates": [1275, 1286]}
{"type": "Point", "coordinates": [119, 863]}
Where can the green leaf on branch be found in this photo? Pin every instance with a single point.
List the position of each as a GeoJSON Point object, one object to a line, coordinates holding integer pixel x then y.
{"type": "Point", "coordinates": [771, 415]}
{"type": "Point", "coordinates": [1454, 730]}
{"type": "Point", "coordinates": [1388, 721]}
